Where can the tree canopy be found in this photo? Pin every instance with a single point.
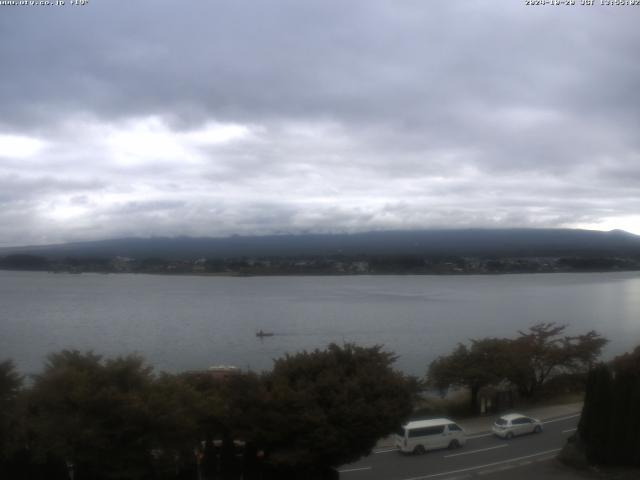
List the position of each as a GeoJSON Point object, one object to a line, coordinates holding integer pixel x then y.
{"type": "Point", "coordinates": [94, 414]}
{"type": "Point", "coordinates": [476, 366]}
{"type": "Point", "coordinates": [336, 403]}
{"type": "Point", "coordinates": [10, 385]}
{"type": "Point", "coordinates": [526, 362]}
{"type": "Point", "coordinates": [609, 427]}
{"type": "Point", "coordinates": [114, 418]}
{"type": "Point", "coordinates": [542, 351]}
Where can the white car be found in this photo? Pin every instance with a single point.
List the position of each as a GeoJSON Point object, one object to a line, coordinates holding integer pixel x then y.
{"type": "Point", "coordinates": [508, 426]}
{"type": "Point", "coordinates": [421, 436]}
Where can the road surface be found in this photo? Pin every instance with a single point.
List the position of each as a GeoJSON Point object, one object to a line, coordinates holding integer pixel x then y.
{"type": "Point", "coordinates": [483, 456]}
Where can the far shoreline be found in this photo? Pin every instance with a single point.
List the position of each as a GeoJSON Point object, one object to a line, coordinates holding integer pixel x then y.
{"type": "Point", "coordinates": [336, 274]}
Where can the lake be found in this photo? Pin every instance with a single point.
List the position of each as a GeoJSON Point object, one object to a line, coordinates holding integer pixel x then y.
{"type": "Point", "coordinates": [190, 322]}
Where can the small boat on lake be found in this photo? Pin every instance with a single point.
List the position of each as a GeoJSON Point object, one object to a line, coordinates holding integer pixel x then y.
{"type": "Point", "coordinates": [261, 334]}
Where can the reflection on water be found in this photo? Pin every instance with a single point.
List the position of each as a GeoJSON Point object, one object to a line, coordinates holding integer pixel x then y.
{"type": "Point", "coordinates": [184, 322]}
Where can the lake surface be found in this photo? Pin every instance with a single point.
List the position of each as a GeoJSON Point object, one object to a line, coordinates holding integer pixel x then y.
{"type": "Point", "coordinates": [189, 322]}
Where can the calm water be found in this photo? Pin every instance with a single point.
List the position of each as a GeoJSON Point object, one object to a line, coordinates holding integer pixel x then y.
{"type": "Point", "coordinates": [181, 323]}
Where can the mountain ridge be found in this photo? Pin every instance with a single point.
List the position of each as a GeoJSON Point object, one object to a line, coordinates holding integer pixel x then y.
{"type": "Point", "coordinates": [522, 242]}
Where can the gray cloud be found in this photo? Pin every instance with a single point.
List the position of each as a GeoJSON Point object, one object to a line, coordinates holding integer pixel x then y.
{"type": "Point", "coordinates": [155, 117]}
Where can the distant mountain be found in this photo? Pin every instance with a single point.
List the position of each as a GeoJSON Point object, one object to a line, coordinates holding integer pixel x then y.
{"type": "Point", "coordinates": [469, 242]}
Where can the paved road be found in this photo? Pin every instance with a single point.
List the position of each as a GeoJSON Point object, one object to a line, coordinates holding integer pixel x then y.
{"type": "Point", "coordinates": [484, 456]}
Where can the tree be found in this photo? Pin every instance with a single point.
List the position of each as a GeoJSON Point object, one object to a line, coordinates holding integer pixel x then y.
{"type": "Point", "coordinates": [10, 381]}
{"type": "Point", "coordinates": [94, 414]}
{"type": "Point", "coordinates": [10, 385]}
{"type": "Point", "coordinates": [329, 407]}
{"type": "Point", "coordinates": [609, 427]}
{"type": "Point", "coordinates": [231, 408]}
{"type": "Point", "coordinates": [541, 352]}
{"type": "Point", "coordinates": [624, 440]}
{"type": "Point", "coordinates": [473, 367]}
{"type": "Point", "coordinates": [113, 419]}
{"type": "Point", "coordinates": [594, 424]}
{"type": "Point", "coordinates": [527, 361]}
{"type": "Point", "coordinates": [176, 409]}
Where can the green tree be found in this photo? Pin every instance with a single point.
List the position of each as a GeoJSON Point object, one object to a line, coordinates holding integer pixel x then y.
{"type": "Point", "coordinates": [542, 352]}
{"type": "Point", "coordinates": [595, 420]}
{"type": "Point", "coordinates": [624, 436]}
{"type": "Point", "coordinates": [482, 363]}
{"type": "Point", "coordinates": [176, 409]}
{"type": "Point", "coordinates": [210, 413]}
{"type": "Point", "coordinates": [245, 402]}
{"type": "Point", "coordinates": [10, 385]}
{"type": "Point", "coordinates": [527, 361]}
{"type": "Point", "coordinates": [230, 408]}
{"type": "Point", "coordinates": [329, 407]}
{"type": "Point", "coordinates": [94, 414]}
{"type": "Point", "coordinates": [609, 427]}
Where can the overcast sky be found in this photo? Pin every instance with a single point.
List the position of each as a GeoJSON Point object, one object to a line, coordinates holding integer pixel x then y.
{"type": "Point", "coordinates": [210, 118]}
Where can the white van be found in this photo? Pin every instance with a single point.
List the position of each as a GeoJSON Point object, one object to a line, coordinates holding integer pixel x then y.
{"type": "Point", "coordinates": [422, 435]}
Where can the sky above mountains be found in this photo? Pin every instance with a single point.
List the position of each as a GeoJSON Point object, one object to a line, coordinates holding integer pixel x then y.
{"type": "Point", "coordinates": [257, 117]}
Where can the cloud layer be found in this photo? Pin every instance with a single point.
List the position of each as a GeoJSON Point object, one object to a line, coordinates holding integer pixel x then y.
{"type": "Point", "coordinates": [172, 118]}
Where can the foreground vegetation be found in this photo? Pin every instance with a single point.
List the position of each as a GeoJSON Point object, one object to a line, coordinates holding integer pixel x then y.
{"type": "Point", "coordinates": [537, 358]}
{"type": "Point", "coordinates": [86, 417]}
{"type": "Point", "coordinates": [542, 359]}
{"type": "Point", "coordinates": [609, 429]}
{"type": "Point", "coordinates": [114, 418]}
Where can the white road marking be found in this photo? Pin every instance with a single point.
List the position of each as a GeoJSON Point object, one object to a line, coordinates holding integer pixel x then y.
{"type": "Point", "coordinates": [477, 467]}
{"type": "Point", "coordinates": [472, 437]}
{"type": "Point", "coordinates": [476, 451]}
{"type": "Point", "coordinates": [562, 418]}
{"type": "Point", "coordinates": [386, 451]}
{"type": "Point", "coordinates": [354, 469]}
{"type": "Point", "coordinates": [569, 430]}
{"type": "Point", "coordinates": [545, 459]}
{"type": "Point", "coordinates": [496, 469]}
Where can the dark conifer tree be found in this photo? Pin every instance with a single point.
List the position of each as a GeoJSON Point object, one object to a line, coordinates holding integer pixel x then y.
{"type": "Point", "coordinates": [594, 424]}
